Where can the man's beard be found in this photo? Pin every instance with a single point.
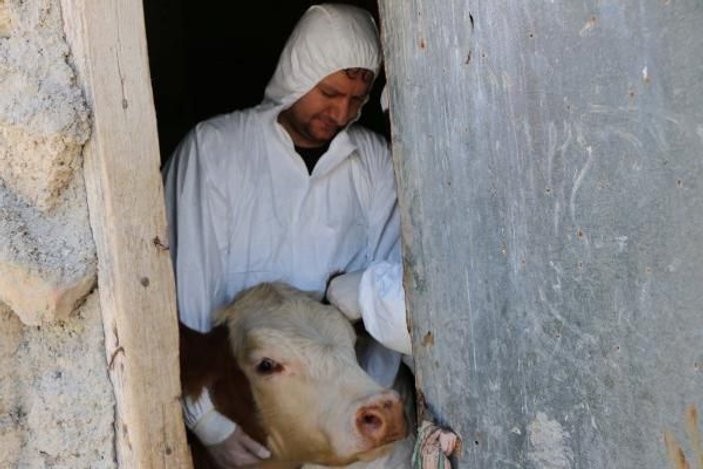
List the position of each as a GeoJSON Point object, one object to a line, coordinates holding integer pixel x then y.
{"type": "Point", "coordinates": [321, 130]}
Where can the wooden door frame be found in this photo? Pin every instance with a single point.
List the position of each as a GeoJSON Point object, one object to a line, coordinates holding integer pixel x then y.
{"type": "Point", "coordinates": [127, 216]}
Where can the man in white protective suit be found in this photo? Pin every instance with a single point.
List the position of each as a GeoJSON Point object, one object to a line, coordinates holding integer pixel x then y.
{"type": "Point", "coordinates": [291, 190]}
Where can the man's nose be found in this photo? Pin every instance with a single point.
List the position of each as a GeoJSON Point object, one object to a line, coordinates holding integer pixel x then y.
{"type": "Point", "coordinates": [340, 111]}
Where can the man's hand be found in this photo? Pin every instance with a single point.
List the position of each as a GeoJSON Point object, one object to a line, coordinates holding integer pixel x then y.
{"type": "Point", "coordinates": [343, 292]}
{"type": "Point", "coordinates": [238, 450]}
{"type": "Point", "coordinates": [434, 446]}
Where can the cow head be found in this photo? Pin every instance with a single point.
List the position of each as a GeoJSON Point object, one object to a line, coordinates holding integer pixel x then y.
{"type": "Point", "coordinates": [315, 403]}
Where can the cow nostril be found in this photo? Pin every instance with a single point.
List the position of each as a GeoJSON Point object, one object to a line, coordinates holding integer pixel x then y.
{"type": "Point", "coordinates": [371, 421]}
{"type": "Point", "coordinates": [381, 422]}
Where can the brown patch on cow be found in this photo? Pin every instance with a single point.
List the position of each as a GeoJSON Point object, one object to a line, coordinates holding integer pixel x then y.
{"type": "Point", "coordinates": [207, 361]}
{"type": "Point", "coordinates": [428, 339]}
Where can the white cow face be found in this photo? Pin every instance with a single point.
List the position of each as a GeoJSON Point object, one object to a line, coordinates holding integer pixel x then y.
{"type": "Point", "coordinates": [314, 401]}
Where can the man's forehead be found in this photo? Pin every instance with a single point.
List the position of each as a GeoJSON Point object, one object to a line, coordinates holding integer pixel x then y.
{"type": "Point", "coordinates": [359, 76]}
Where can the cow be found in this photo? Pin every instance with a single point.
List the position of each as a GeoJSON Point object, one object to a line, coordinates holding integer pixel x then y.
{"type": "Point", "coordinates": [283, 366]}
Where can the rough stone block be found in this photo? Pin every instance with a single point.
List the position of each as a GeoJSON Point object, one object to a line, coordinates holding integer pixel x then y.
{"type": "Point", "coordinates": [47, 261]}
{"type": "Point", "coordinates": [5, 21]}
{"type": "Point", "coordinates": [56, 400]}
{"type": "Point", "coordinates": [47, 256]}
{"type": "Point", "coordinates": [38, 167]}
{"type": "Point", "coordinates": [44, 119]}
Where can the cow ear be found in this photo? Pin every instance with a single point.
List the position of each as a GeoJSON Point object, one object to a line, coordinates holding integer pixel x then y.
{"type": "Point", "coordinates": [248, 300]}
{"type": "Point", "coordinates": [222, 315]}
{"type": "Point", "coordinates": [262, 296]}
{"type": "Point", "coordinates": [249, 303]}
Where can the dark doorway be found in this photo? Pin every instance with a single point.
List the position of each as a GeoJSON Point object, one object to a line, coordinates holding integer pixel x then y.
{"type": "Point", "coordinates": [215, 56]}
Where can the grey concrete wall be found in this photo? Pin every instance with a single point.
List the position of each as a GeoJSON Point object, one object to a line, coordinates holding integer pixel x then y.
{"type": "Point", "coordinates": [550, 156]}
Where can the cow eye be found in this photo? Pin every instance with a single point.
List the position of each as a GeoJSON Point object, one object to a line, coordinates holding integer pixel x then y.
{"type": "Point", "coordinates": [267, 366]}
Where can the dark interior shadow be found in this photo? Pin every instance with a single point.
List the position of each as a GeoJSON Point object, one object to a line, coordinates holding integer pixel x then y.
{"type": "Point", "coordinates": [215, 56]}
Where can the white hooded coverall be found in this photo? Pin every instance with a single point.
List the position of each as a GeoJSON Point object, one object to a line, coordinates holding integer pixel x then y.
{"type": "Point", "coordinates": [242, 208]}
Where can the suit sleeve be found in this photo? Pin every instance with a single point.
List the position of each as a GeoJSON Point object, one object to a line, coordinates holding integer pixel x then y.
{"type": "Point", "coordinates": [381, 293]}
{"type": "Point", "coordinates": [196, 207]}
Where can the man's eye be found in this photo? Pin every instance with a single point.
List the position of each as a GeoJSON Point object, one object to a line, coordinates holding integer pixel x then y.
{"type": "Point", "coordinates": [267, 366]}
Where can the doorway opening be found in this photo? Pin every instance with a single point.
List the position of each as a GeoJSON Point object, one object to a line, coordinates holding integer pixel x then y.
{"type": "Point", "coordinates": [216, 56]}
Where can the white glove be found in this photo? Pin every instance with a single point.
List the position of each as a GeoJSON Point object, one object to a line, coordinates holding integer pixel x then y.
{"type": "Point", "coordinates": [343, 293]}
{"type": "Point", "coordinates": [225, 441]}
{"type": "Point", "coordinates": [376, 295]}
{"type": "Point", "coordinates": [381, 300]}
{"type": "Point", "coordinates": [210, 426]}
{"type": "Point", "coordinates": [237, 450]}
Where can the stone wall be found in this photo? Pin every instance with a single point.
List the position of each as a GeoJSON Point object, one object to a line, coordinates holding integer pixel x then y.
{"type": "Point", "coordinates": [47, 256]}
{"type": "Point", "coordinates": [56, 401]}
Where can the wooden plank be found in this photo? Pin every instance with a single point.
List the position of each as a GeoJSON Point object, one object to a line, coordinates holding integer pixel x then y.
{"type": "Point", "coordinates": [128, 220]}
{"type": "Point", "coordinates": [551, 186]}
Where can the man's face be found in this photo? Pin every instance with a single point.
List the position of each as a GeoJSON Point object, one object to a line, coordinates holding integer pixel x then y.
{"type": "Point", "coordinates": [320, 114]}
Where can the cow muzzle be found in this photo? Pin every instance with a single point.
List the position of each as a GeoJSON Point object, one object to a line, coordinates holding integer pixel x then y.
{"type": "Point", "coordinates": [380, 420]}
